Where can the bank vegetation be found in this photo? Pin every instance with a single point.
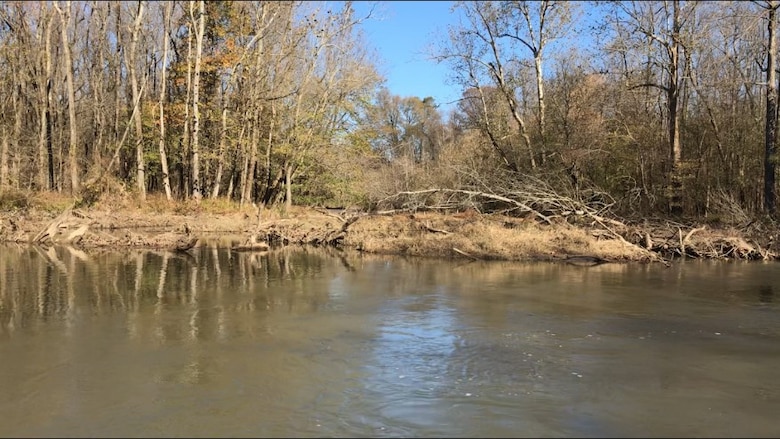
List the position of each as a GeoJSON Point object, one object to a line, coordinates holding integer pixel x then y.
{"type": "Point", "coordinates": [649, 125]}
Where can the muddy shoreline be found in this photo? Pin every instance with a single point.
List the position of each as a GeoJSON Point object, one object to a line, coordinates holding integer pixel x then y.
{"type": "Point", "coordinates": [460, 235]}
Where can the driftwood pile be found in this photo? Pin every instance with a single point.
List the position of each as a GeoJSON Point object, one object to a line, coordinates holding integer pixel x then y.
{"type": "Point", "coordinates": [672, 242]}
{"type": "Point", "coordinates": [68, 227]}
{"type": "Point", "coordinates": [72, 227]}
{"type": "Point", "coordinates": [281, 232]}
{"type": "Point", "coordinates": [659, 243]}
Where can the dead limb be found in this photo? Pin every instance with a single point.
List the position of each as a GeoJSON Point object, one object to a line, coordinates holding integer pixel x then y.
{"type": "Point", "coordinates": [487, 195]}
{"type": "Point", "coordinates": [349, 222]}
{"type": "Point", "coordinates": [684, 240]}
{"type": "Point", "coordinates": [77, 234]}
{"type": "Point", "coordinates": [427, 226]}
{"type": "Point", "coordinates": [585, 260]}
{"type": "Point", "coordinates": [690, 233]}
{"type": "Point", "coordinates": [121, 143]}
{"type": "Point", "coordinates": [651, 255]}
{"type": "Point", "coordinates": [53, 227]}
{"type": "Point", "coordinates": [461, 252]}
{"type": "Point", "coordinates": [332, 215]}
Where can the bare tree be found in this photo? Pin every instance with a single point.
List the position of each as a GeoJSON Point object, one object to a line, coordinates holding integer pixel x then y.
{"type": "Point", "coordinates": [770, 129]}
{"type": "Point", "coordinates": [476, 52]}
{"type": "Point", "coordinates": [4, 153]}
{"type": "Point", "coordinates": [232, 78]}
{"type": "Point", "coordinates": [330, 67]}
{"type": "Point", "coordinates": [534, 24]}
{"type": "Point", "coordinates": [65, 20]}
{"type": "Point", "coordinates": [168, 11]}
{"type": "Point", "coordinates": [199, 22]}
{"type": "Point", "coordinates": [664, 24]}
{"type": "Point", "coordinates": [133, 67]}
{"type": "Point", "coordinates": [117, 69]}
{"type": "Point", "coordinates": [186, 139]}
{"type": "Point", "coordinates": [45, 155]}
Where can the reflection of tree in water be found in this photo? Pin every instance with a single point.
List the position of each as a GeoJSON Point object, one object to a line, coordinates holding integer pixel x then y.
{"type": "Point", "coordinates": [33, 287]}
{"type": "Point", "coordinates": [150, 287]}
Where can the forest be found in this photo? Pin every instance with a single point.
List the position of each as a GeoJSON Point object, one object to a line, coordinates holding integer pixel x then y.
{"type": "Point", "coordinates": [671, 111]}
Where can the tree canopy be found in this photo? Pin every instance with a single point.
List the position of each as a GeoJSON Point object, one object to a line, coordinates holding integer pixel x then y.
{"type": "Point", "coordinates": [671, 108]}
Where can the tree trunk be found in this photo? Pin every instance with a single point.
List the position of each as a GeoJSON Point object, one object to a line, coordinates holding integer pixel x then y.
{"type": "Point", "coordinates": [221, 153]}
{"type": "Point", "coordinates": [4, 161]}
{"type": "Point", "coordinates": [288, 169]}
{"type": "Point", "coordinates": [45, 164]}
{"type": "Point", "coordinates": [508, 93]}
{"type": "Point", "coordinates": [770, 148]}
{"type": "Point", "coordinates": [98, 75]}
{"type": "Point", "coordinates": [59, 154]}
{"type": "Point", "coordinates": [133, 67]}
{"type": "Point", "coordinates": [269, 147]}
{"type": "Point", "coordinates": [245, 154]}
{"type": "Point", "coordinates": [540, 96]}
{"type": "Point", "coordinates": [673, 95]}
{"type": "Point", "coordinates": [201, 23]}
{"type": "Point", "coordinates": [252, 165]}
{"type": "Point", "coordinates": [186, 138]}
{"type": "Point", "coordinates": [68, 67]}
{"type": "Point", "coordinates": [16, 137]}
{"type": "Point", "coordinates": [163, 156]}
{"type": "Point", "coordinates": [118, 70]}
{"type": "Point", "coordinates": [235, 172]}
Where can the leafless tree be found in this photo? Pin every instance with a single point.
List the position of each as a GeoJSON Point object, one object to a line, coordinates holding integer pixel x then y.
{"type": "Point", "coordinates": [65, 23]}
{"type": "Point", "coordinates": [168, 11]}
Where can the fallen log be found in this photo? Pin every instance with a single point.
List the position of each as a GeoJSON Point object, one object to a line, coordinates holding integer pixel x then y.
{"type": "Point", "coordinates": [53, 227]}
{"type": "Point", "coordinates": [251, 247]}
{"type": "Point", "coordinates": [461, 252]}
{"type": "Point", "coordinates": [683, 241]}
{"type": "Point", "coordinates": [185, 243]}
{"type": "Point", "coordinates": [585, 260]}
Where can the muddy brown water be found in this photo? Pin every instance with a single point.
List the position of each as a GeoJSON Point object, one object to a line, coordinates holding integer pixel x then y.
{"type": "Point", "coordinates": [308, 343]}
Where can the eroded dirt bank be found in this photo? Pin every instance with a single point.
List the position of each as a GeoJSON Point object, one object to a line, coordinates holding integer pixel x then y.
{"type": "Point", "coordinates": [427, 234]}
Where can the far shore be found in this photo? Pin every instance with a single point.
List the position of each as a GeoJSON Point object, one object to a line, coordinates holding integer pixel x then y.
{"type": "Point", "coordinates": [180, 226]}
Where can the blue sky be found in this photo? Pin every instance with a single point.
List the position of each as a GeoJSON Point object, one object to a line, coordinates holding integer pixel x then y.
{"type": "Point", "coordinates": [400, 32]}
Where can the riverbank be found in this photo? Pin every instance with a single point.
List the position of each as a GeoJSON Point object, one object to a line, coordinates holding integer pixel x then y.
{"type": "Point", "coordinates": [156, 223]}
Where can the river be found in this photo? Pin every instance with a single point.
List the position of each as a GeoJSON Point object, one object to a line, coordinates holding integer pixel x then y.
{"type": "Point", "coordinates": [322, 343]}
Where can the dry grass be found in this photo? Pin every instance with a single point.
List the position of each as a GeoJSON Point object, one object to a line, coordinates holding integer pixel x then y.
{"type": "Point", "coordinates": [486, 237]}
{"type": "Point", "coordinates": [428, 234]}
{"type": "Point", "coordinates": [158, 203]}
{"type": "Point", "coordinates": [50, 201]}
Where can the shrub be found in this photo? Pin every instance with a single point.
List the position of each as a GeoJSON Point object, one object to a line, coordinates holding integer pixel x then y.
{"type": "Point", "coordinates": [13, 200]}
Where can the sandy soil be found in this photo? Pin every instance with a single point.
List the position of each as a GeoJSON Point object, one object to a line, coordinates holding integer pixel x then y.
{"type": "Point", "coordinates": [426, 234]}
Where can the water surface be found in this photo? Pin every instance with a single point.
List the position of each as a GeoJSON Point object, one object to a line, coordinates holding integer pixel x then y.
{"type": "Point", "coordinates": [318, 343]}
